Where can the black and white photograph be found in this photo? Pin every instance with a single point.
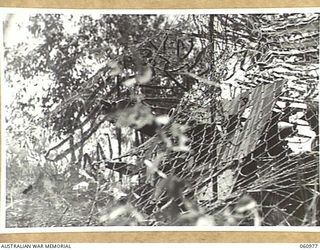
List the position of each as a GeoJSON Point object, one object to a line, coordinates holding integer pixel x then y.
{"type": "Point", "coordinates": [160, 119]}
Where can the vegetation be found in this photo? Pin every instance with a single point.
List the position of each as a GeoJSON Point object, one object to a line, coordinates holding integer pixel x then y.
{"type": "Point", "coordinates": [197, 120]}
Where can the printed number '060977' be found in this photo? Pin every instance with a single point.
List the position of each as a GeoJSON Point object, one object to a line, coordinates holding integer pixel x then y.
{"type": "Point", "coordinates": [309, 245]}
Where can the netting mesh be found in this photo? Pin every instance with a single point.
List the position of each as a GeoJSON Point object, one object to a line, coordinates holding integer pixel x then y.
{"type": "Point", "coordinates": [253, 144]}
{"type": "Point", "coordinates": [242, 156]}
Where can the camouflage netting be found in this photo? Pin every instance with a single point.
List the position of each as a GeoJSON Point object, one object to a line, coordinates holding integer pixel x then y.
{"type": "Point", "coordinates": [254, 139]}
{"type": "Point", "coordinates": [236, 155]}
{"type": "Point", "coordinates": [240, 146]}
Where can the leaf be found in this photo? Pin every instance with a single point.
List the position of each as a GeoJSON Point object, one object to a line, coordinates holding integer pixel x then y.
{"type": "Point", "coordinates": [136, 196]}
{"type": "Point", "coordinates": [83, 186]}
{"type": "Point", "coordinates": [178, 132]}
{"type": "Point", "coordinates": [118, 212]}
{"type": "Point", "coordinates": [117, 193]}
{"type": "Point", "coordinates": [162, 119]}
{"type": "Point", "coordinates": [145, 76]}
{"type": "Point", "coordinates": [137, 215]}
{"type": "Point", "coordinates": [114, 214]}
{"type": "Point", "coordinates": [152, 169]}
{"type": "Point", "coordinates": [137, 117]}
{"type": "Point", "coordinates": [115, 68]}
{"type": "Point", "coordinates": [104, 218]}
{"type": "Point", "coordinates": [161, 174]}
{"type": "Point", "coordinates": [129, 82]}
{"type": "Point", "coordinates": [205, 221]}
{"type": "Point", "coordinates": [246, 203]}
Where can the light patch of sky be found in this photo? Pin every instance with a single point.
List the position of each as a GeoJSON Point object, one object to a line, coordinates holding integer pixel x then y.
{"type": "Point", "coordinates": [16, 33]}
{"type": "Point", "coordinates": [16, 30]}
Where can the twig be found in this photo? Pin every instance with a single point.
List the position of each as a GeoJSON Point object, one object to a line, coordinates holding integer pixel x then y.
{"type": "Point", "coordinates": [96, 198]}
